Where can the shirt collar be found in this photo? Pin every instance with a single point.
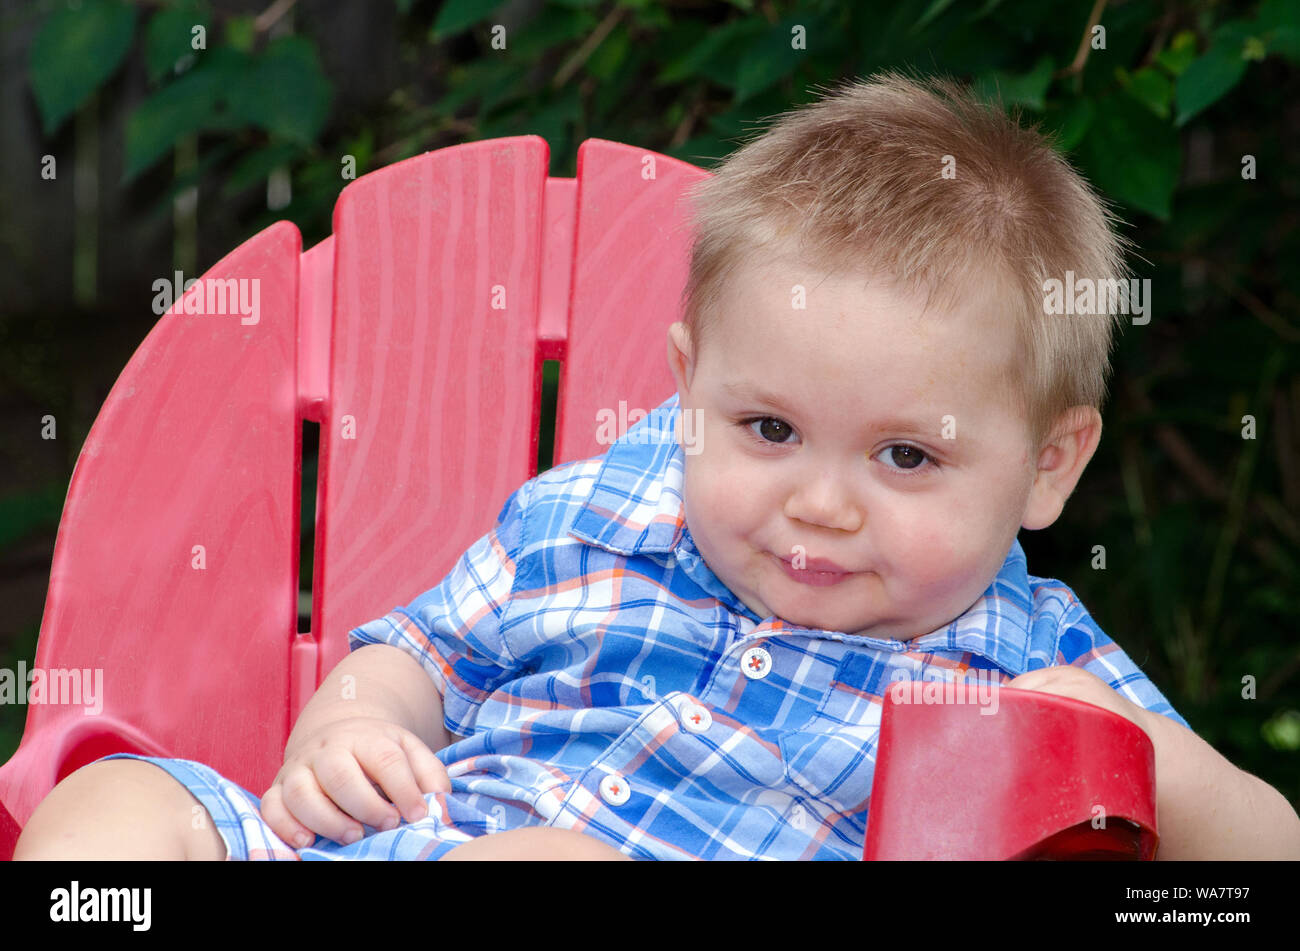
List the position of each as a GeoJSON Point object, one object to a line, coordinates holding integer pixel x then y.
{"type": "Point", "coordinates": [636, 507]}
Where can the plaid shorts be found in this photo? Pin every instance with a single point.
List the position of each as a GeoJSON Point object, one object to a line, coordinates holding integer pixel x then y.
{"type": "Point", "coordinates": [454, 818]}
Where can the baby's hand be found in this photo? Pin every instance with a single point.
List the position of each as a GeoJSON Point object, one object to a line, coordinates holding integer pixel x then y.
{"type": "Point", "coordinates": [337, 774]}
{"type": "Point", "coordinates": [1079, 684]}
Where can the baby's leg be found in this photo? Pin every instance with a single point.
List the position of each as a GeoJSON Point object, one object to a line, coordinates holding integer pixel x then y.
{"type": "Point", "coordinates": [120, 809]}
{"type": "Point", "coordinates": [534, 843]}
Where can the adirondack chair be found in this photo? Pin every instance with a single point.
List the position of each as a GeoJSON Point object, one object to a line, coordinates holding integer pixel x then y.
{"type": "Point", "coordinates": [449, 278]}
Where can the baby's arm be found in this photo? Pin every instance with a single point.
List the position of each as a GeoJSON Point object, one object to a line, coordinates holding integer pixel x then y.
{"type": "Point", "coordinates": [371, 727]}
{"type": "Point", "coordinates": [385, 683]}
{"type": "Point", "coordinates": [1206, 808]}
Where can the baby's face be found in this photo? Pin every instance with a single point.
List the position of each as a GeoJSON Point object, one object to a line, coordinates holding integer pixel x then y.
{"type": "Point", "coordinates": [823, 437]}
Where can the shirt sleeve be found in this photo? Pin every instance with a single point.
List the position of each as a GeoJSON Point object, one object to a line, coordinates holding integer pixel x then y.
{"type": "Point", "coordinates": [454, 630]}
{"type": "Point", "coordinates": [1082, 643]}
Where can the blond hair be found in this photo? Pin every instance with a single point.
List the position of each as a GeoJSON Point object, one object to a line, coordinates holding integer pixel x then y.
{"type": "Point", "coordinates": [857, 180]}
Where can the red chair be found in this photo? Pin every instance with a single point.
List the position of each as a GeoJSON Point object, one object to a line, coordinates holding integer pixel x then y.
{"type": "Point", "coordinates": [414, 336]}
{"type": "Point", "coordinates": [1036, 777]}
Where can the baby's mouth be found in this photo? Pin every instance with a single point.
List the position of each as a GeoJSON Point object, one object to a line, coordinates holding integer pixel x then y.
{"type": "Point", "coordinates": [810, 576]}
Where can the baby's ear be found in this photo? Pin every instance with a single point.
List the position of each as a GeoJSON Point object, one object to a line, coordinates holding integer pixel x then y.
{"type": "Point", "coordinates": [1061, 462]}
{"type": "Point", "coordinates": [681, 355]}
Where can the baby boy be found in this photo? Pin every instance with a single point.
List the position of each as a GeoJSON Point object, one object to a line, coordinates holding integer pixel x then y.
{"type": "Point", "coordinates": [680, 650]}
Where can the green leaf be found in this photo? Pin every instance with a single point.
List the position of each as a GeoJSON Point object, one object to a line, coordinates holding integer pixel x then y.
{"type": "Point", "coordinates": [1069, 122]}
{"type": "Point", "coordinates": [256, 166]}
{"type": "Point", "coordinates": [1274, 14]}
{"type": "Point", "coordinates": [989, 7]}
{"type": "Point", "coordinates": [1208, 80]}
{"type": "Point", "coordinates": [240, 33]}
{"type": "Point", "coordinates": [28, 512]}
{"type": "Point", "coordinates": [490, 77]}
{"type": "Point", "coordinates": [770, 57]}
{"type": "Point", "coordinates": [169, 36]}
{"type": "Point", "coordinates": [1131, 158]}
{"type": "Point", "coordinates": [932, 12]}
{"type": "Point", "coordinates": [75, 51]}
{"type": "Point", "coordinates": [1179, 54]}
{"type": "Point", "coordinates": [459, 15]}
{"type": "Point", "coordinates": [605, 61]}
{"type": "Point", "coordinates": [1285, 41]}
{"type": "Point", "coordinates": [1150, 87]}
{"type": "Point", "coordinates": [544, 33]}
{"type": "Point", "coordinates": [286, 93]}
{"type": "Point", "coordinates": [178, 109]}
{"type": "Point", "coordinates": [282, 91]}
{"type": "Point", "coordinates": [360, 147]}
{"type": "Point", "coordinates": [1282, 732]}
{"type": "Point", "coordinates": [1279, 22]}
{"type": "Point", "coordinates": [713, 57]}
{"type": "Point", "coordinates": [1024, 89]}
{"type": "Point", "coordinates": [554, 121]}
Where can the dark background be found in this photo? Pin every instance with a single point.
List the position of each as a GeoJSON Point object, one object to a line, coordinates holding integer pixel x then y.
{"type": "Point", "coordinates": [167, 157]}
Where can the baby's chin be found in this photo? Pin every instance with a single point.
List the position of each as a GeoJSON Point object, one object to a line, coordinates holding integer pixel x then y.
{"type": "Point", "coordinates": [892, 628]}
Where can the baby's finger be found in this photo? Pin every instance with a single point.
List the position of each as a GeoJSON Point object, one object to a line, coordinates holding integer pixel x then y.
{"type": "Point", "coordinates": [308, 801]}
{"type": "Point", "coordinates": [385, 761]}
{"type": "Point", "coordinates": [282, 822]}
{"type": "Point", "coordinates": [430, 773]}
{"type": "Point", "coordinates": [345, 777]}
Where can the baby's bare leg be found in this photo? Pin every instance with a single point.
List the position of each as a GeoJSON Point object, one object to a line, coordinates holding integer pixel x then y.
{"type": "Point", "coordinates": [535, 843]}
{"type": "Point", "coordinates": [120, 809]}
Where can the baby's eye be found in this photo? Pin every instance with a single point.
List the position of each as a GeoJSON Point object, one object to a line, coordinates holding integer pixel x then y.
{"type": "Point", "coordinates": [905, 457]}
{"type": "Point", "coordinates": [771, 429]}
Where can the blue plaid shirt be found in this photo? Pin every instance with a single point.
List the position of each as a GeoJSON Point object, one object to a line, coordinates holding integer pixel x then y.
{"type": "Point", "coordinates": [605, 680]}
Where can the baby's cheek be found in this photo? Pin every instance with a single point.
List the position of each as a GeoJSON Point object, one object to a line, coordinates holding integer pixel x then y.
{"type": "Point", "coordinates": [930, 552]}
{"type": "Point", "coordinates": [932, 556]}
{"type": "Point", "coordinates": [710, 505]}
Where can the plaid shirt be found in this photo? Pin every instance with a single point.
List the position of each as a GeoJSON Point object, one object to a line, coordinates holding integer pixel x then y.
{"type": "Point", "coordinates": [605, 680]}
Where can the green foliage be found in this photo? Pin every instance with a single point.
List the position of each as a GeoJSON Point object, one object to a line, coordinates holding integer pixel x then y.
{"type": "Point", "coordinates": [458, 15]}
{"type": "Point", "coordinates": [280, 90]}
{"type": "Point", "coordinates": [23, 513]}
{"type": "Point", "coordinates": [170, 35]}
{"type": "Point", "coordinates": [76, 51]}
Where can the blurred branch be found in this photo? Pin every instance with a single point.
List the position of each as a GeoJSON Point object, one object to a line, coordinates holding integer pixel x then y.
{"type": "Point", "coordinates": [1190, 464]}
{"type": "Point", "coordinates": [268, 17]}
{"type": "Point", "coordinates": [1285, 438]}
{"type": "Point", "coordinates": [1261, 311]}
{"type": "Point", "coordinates": [1166, 24]}
{"type": "Point", "coordinates": [1176, 447]}
{"type": "Point", "coordinates": [1085, 44]}
{"type": "Point", "coordinates": [1235, 520]}
{"type": "Point", "coordinates": [389, 152]}
{"type": "Point", "coordinates": [583, 53]}
{"type": "Point", "coordinates": [1280, 676]}
{"type": "Point", "coordinates": [693, 114]}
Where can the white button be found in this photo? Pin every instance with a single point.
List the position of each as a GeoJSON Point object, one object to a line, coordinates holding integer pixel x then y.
{"type": "Point", "coordinates": [614, 789]}
{"type": "Point", "coordinates": [695, 719]}
{"type": "Point", "coordinates": [756, 663]}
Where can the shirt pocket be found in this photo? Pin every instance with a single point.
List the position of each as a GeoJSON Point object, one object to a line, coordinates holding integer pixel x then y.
{"type": "Point", "coordinates": [832, 757]}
